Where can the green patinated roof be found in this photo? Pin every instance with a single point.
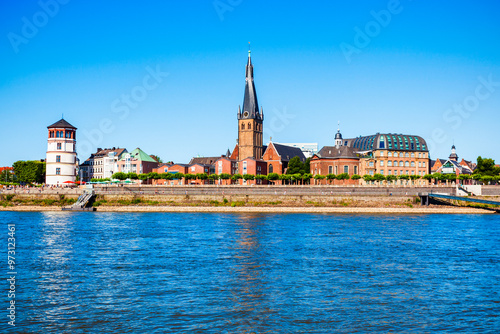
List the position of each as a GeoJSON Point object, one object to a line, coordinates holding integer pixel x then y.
{"type": "Point", "coordinates": [141, 155]}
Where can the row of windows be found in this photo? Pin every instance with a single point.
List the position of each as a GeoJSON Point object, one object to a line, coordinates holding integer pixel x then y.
{"type": "Point", "coordinates": [62, 134]}
{"type": "Point", "coordinates": [396, 172]}
{"type": "Point", "coordinates": [401, 163]}
{"type": "Point", "coordinates": [345, 169]}
{"type": "Point", "coordinates": [403, 154]}
{"type": "Point", "coordinates": [258, 127]}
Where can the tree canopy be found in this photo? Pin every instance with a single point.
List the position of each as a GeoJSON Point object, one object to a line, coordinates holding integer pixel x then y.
{"type": "Point", "coordinates": [29, 171]}
{"type": "Point", "coordinates": [486, 166]}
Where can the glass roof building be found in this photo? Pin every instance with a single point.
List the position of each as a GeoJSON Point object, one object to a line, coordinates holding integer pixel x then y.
{"type": "Point", "coordinates": [388, 141]}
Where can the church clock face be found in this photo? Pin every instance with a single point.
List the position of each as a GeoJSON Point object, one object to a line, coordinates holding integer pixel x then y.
{"type": "Point", "coordinates": [245, 114]}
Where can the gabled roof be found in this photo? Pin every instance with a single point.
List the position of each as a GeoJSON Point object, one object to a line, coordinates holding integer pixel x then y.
{"type": "Point", "coordinates": [180, 165]}
{"type": "Point", "coordinates": [461, 169]}
{"type": "Point", "coordinates": [204, 160]}
{"type": "Point", "coordinates": [288, 152]}
{"type": "Point", "coordinates": [61, 124]}
{"type": "Point", "coordinates": [225, 158]}
{"type": "Point", "coordinates": [332, 152]}
{"type": "Point", "coordinates": [106, 151]}
{"type": "Point", "coordinates": [141, 156]}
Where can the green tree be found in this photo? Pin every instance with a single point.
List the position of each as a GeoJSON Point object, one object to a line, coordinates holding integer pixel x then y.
{"type": "Point", "coordinates": [427, 177]}
{"type": "Point", "coordinates": [391, 178]}
{"type": "Point", "coordinates": [166, 176]}
{"type": "Point", "coordinates": [306, 178]}
{"type": "Point", "coordinates": [486, 167]}
{"type": "Point", "coordinates": [273, 177]}
{"type": "Point", "coordinates": [330, 177]}
{"type": "Point", "coordinates": [6, 176]}
{"type": "Point", "coordinates": [154, 175]}
{"type": "Point", "coordinates": [236, 177]}
{"type": "Point", "coordinates": [379, 178]}
{"type": "Point", "coordinates": [319, 177]}
{"type": "Point", "coordinates": [294, 166]}
{"type": "Point", "coordinates": [249, 177]}
{"type": "Point", "coordinates": [343, 176]}
{"type": "Point", "coordinates": [260, 177]}
{"type": "Point", "coordinates": [306, 167]}
{"type": "Point", "coordinates": [486, 179]}
{"type": "Point", "coordinates": [132, 176]}
{"type": "Point", "coordinates": [224, 176]}
{"type": "Point", "coordinates": [355, 177]}
{"type": "Point", "coordinates": [119, 176]}
{"type": "Point", "coordinates": [29, 171]}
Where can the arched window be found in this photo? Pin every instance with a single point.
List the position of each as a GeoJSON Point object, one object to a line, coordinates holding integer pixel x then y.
{"type": "Point", "coordinates": [249, 126]}
{"type": "Point", "coordinates": [407, 154]}
{"type": "Point", "coordinates": [401, 163]}
{"type": "Point", "coordinates": [413, 163]}
{"type": "Point", "coordinates": [389, 163]}
{"type": "Point", "coordinates": [271, 169]}
{"type": "Point", "coordinates": [389, 154]}
{"type": "Point", "coordinates": [407, 164]}
{"type": "Point", "coordinates": [242, 126]}
{"type": "Point", "coordinates": [401, 154]}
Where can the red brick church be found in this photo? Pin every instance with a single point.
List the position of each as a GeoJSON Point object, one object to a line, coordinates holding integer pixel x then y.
{"type": "Point", "coordinates": [250, 155]}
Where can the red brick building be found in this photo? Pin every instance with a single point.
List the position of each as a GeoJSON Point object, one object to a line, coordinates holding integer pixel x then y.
{"type": "Point", "coordinates": [277, 157]}
{"type": "Point", "coordinates": [254, 167]}
{"type": "Point", "coordinates": [335, 160]}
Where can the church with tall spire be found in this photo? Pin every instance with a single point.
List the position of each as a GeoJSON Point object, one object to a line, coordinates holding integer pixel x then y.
{"type": "Point", "coordinates": [250, 120]}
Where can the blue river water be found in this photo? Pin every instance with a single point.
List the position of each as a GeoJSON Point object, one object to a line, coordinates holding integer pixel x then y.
{"type": "Point", "coordinates": [252, 273]}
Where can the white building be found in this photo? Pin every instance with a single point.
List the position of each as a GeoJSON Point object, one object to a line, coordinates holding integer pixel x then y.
{"type": "Point", "coordinates": [102, 164]}
{"type": "Point", "coordinates": [309, 149]}
{"type": "Point", "coordinates": [61, 154]}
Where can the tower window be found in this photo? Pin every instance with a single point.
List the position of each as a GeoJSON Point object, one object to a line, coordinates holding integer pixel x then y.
{"type": "Point", "coordinates": [58, 171]}
{"type": "Point", "coordinates": [249, 126]}
{"type": "Point", "coordinates": [58, 158]}
{"type": "Point", "coordinates": [242, 126]}
{"type": "Point", "coordinates": [58, 146]}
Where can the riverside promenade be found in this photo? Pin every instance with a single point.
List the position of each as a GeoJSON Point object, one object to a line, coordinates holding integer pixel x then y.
{"type": "Point", "coordinates": [268, 190]}
{"type": "Point", "coordinates": [315, 190]}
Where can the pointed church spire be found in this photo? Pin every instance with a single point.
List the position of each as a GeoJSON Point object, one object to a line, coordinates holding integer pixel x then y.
{"type": "Point", "coordinates": [250, 103]}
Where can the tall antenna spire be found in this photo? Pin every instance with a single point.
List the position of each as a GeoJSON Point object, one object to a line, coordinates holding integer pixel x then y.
{"type": "Point", "coordinates": [338, 127]}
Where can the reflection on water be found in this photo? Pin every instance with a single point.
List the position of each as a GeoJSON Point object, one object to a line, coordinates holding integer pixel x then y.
{"type": "Point", "coordinates": [164, 273]}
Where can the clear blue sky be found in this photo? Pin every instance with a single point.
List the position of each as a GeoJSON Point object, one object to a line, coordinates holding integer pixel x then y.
{"type": "Point", "coordinates": [311, 64]}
